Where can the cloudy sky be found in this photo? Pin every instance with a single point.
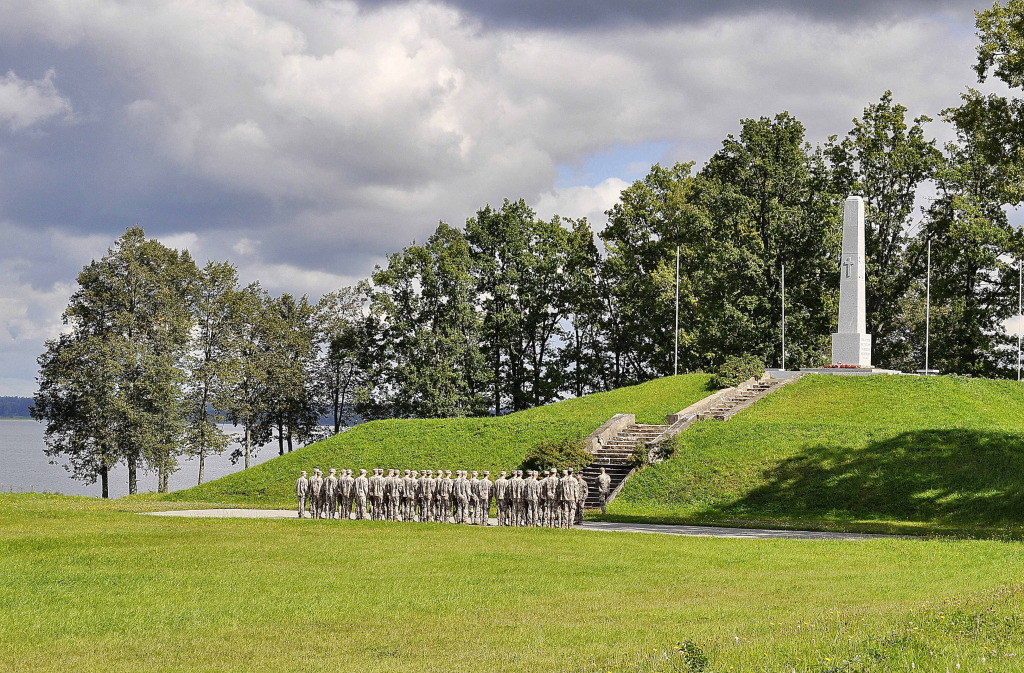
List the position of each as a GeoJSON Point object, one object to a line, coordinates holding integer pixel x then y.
{"type": "Point", "coordinates": [304, 139]}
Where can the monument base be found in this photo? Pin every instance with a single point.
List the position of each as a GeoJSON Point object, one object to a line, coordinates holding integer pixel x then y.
{"type": "Point", "coordinates": [853, 371]}
{"type": "Point", "coordinates": [851, 348]}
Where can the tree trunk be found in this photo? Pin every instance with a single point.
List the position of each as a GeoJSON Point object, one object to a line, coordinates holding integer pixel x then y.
{"type": "Point", "coordinates": [133, 485]}
{"type": "Point", "coordinates": [202, 464]}
{"type": "Point", "coordinates": [105, 480]}
{"type": "Point", "coordinates": [289, 440]}
{"type": "Point", "coordinates": [248, 443]}
{"type": "Point", "coordinates": [280, 439]}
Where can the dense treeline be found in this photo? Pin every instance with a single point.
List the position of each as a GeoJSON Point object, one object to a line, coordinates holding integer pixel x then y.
{"type": "Point", "coordinates": [512, 311]}
{"type": "Point", "coordinates": [15, 407]}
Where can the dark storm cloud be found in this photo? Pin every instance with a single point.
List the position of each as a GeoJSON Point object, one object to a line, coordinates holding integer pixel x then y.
{"type": "Point", "coordinates": [585, 14]}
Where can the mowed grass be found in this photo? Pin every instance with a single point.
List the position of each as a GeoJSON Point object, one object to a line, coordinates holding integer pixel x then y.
{"type": "Point", "coordinates": [451, 444]}
{"type": "Point", "coordinates": [85, 586]}
{"type": "Point", "coordinates": [890, 453]}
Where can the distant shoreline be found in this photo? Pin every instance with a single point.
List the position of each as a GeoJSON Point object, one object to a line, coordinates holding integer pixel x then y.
{"type": "Point", "coordinates": [16, 418]}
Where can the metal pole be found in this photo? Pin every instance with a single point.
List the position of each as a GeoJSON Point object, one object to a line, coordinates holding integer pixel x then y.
{"type": "Point", "coordinates": [928, 308]}
{"type": "Point", "coordinates": [675, 368]}
{"type": "Point", "coordinates": [783, 317]}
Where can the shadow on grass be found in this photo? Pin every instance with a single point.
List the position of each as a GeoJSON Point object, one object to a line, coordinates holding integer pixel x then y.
{"type": "Point", "coordinates": [960, 477]}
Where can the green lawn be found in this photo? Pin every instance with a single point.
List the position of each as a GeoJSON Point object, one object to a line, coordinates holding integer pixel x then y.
{"type": "Point", "coordinates": [882, 452]}
{"type": "Point", "coordinates": [466, 443]}
{"type": "Point", "coordinates": [89, 586]}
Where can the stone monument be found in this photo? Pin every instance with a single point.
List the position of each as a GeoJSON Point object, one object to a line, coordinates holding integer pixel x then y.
{"type": "Point", "coordinates": [851, 344]}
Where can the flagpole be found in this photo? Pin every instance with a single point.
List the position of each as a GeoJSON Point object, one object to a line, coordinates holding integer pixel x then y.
{"type": "Point", "coordinates": [928, 308]}
{"type": "Point", "coordinates": [675, 367]}
{"type": "Point", "coordinates": [783, 317]}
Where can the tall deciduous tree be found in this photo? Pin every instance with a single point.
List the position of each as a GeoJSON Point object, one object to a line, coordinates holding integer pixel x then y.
{"type": "Point", "coordinates": [211, 365]}
{"type": "Point", "coordinates": [128, 332]}
{"type": "Point", "coordinates": [341, 373]}
{"type": "Point", "coordinates": [248, 401]}
{"type": "Point", "coordinates": [885, 161]}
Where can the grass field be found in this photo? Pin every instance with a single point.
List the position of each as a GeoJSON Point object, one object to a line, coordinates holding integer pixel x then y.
{"type": "Point", "coordinates": [880, 453]}
{"type": "Point", "coordinates": [89, 586]}
{"type": "Point", "coordinates": [467, 443]}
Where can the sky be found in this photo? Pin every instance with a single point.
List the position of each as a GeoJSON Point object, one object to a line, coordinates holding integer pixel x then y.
{"type": "Point", "coordinates": [303, 140]}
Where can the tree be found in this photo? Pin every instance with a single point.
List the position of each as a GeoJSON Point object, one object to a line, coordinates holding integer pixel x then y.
{"type": "Point", "coordinates": [884, 161]}
{"type": "Point", "coordinates": [972, 276]}
{"type": "Point", "coordinates": [422, 335]}
{"type": "Point", "coordinates": [640, 239]}
{"type": "Point", "coordinates": [110, 389]}
{"type": "Point", "coordinates": [340, 372]}
{"type": "Point", "coordinates": [210, 364]}
{"type": "Point", "coordinates": [247, 398]}
{"type": "Point", "coordinates": [295, 404]}
{"type": "Point", "coordinates": [775, 195]}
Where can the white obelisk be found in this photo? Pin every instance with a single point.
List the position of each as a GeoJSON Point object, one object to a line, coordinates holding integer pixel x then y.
{"type": "Point", "coordinates": [851, 345]}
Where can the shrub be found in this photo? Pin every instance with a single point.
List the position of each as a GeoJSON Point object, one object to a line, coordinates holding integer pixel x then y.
{"type": "Point", "coordinates": [640, 457]}
{"type": "Point", "coordinates": [735, 370]}
{"type": "Point", "coordinates": [558, 453]}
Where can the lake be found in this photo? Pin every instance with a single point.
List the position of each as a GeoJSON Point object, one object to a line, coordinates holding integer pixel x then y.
{"type": "Point", "coordinates": [24, 467]}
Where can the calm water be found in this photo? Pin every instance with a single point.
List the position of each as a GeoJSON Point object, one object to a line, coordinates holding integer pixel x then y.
{"type": "Point", "coordinates": [24, 466]}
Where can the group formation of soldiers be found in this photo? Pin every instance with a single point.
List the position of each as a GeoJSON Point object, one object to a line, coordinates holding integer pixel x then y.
{"type": "Point", "coordinates": [524, 499]}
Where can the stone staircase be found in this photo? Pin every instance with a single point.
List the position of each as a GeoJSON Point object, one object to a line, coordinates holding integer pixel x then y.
{"type": "Point", "coordinates": [613, 444]}
{"type": "Point", "coordinates": [729, 404]}
{"type": "Point", "coordinates": [614, 456]}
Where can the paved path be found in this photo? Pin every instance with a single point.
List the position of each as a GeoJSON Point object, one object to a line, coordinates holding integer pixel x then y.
{"type": "Point", "coordinates": [663, 529]}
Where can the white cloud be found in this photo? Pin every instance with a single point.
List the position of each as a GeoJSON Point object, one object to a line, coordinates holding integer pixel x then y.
{"type": "Point", "coordinates": [25, 103]}
{"type": "Point", "coordinates": [352, 131]}
{"type": "Point", "coordinates": [582, 201]}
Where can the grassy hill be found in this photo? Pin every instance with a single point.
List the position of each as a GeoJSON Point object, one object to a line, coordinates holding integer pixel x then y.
{"type": "Point", "coordinates": [888, 453]}
{"type": "Point", "coordinates": [464, 443]}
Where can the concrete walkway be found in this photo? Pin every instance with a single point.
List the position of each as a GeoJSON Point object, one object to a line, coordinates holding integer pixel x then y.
{"type": "Point", "coordinates": [663, 529]}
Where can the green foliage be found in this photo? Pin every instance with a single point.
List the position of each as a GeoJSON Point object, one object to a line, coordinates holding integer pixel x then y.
{"type": "Point", "coordinates": [111, 386]}
{"type": "Point", "coordinates": [735, 370]}
{"type": "Point", "coordinates": [882, 453]}
{"type": "Point", "coordinates": [493, 443]}
{"type": "Point", "coordinates": [884, 161]}
{"type": "Point", "coordinates": [640, 457]}
{"type": "Point", "coordinates": [558, 453]}
{"type": "Point", "coordinates": [84, 573]}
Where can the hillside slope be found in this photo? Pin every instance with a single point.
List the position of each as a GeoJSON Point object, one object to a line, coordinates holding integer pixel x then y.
{"type": "Point", "coordinates": [883, 452]}
{"type": "Point", "coordinates": [464, 443]}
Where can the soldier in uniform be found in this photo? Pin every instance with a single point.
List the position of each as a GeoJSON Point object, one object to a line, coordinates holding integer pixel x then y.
{"type": "Point", "coordinates": [408, 487]}
{"type": "Point", "coordinates": [568, 490]}
{"type": "Point", "coordinates": [302, 492]}
{"type": "Point", "coordinates": [316, 486]}
{"type": "Point", "coordinates": [550, 490]}
{"type": "Point", "coordinates": [389, 487]}
{"type": "Point", "coordinates": [445, 489]}
{"type": "Point", "coordinates": [531, 499]}
{"type": "Point", "coordinates": [461, 493]}
{"type": "Point", "coordinates": [485, 499]}
{"type": "Point", "coordinates": [331, 493]}
{"type": "Point", "coordinates": [517, 498]}
{"type": "Point", "coordinates": [435, 492]}
{"type": "Point", "coordinates": [604, 487]}
{"type": "Point", "coordinates": [474, 498]}
{"type": "Point", "coordinates": [501, 498]}
{"type": "Point", "coordinates": [581, 498]}
{"type": "Point", "coordinates": [361, 493]}
{"type": "Point", "coordinates": [377, 494]}
{"type": "Point", "coordinates": [423, 495]}
{"type": "Point", "coordinates": [345, 494]}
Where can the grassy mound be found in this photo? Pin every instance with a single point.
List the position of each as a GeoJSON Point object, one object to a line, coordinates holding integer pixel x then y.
{"type": "Point", "coordinates": [463, 443]}
{"type": "Point", "coordinates": [881, 452]}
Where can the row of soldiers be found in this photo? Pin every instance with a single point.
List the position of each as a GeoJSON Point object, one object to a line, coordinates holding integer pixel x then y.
{"type": "Point", "coordinates": [525, 499]}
